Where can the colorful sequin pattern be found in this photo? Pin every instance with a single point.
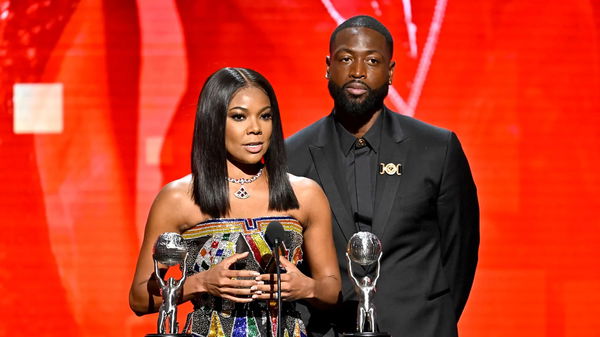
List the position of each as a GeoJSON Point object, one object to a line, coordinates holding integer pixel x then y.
{"type": "Point", "coordinates": [212, 241]}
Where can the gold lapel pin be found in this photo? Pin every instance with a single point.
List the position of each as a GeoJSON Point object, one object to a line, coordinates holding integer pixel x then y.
{"type": "Point", "coordinates": [390, 169]}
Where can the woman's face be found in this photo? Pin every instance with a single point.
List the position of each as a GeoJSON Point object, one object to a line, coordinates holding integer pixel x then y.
{"type": "Point", "coordinates": [249, 126]}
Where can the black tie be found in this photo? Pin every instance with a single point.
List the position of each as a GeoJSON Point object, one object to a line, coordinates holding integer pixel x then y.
{"type": "Point", "coordinates": [362, 179]}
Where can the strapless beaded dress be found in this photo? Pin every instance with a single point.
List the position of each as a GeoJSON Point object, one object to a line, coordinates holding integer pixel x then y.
{"type": "Point", "coordinates": [210, 242]}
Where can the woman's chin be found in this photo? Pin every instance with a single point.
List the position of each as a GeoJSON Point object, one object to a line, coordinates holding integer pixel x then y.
{"type": "Point", "coordinates": [254, 160]}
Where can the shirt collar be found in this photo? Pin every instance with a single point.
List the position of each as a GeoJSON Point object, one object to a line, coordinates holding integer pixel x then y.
{"type": "Point", "coordinates": [347, 140]}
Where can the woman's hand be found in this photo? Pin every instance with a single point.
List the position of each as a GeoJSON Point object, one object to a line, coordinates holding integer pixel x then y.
{"type": "Point", "coordinates": [294, 284]}
{"type": "Point", "coordinates": [233, 285]}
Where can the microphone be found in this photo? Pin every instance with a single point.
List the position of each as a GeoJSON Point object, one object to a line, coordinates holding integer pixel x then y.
{"type": "Point", "coordinates": [274, 236]}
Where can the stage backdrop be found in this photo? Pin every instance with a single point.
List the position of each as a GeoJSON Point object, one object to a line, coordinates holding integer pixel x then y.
{"type": "Point", "coordinates": [97, 105]}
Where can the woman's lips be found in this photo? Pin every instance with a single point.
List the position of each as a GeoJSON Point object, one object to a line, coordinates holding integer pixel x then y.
{"type": "Point", "coordinates": [253, 147]}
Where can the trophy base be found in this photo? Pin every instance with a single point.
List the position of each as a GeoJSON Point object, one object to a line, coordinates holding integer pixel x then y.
{"type": "Point", "coordinates": [366, 334]}
{"type": "Point", "coordinates": [169, 335]}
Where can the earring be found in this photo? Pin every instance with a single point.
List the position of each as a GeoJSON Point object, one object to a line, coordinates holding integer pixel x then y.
{"type": "Point", "coordinates": [327, 75]}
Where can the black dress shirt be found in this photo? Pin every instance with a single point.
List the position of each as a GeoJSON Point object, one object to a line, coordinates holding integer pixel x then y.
{"type": "Point", "coordinates": [359, 165]}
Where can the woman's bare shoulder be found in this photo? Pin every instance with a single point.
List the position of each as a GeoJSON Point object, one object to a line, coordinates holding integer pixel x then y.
{"type": "Point", "coordinates": [177, 191]}
{"type": "Point", "coordinates": [314, 206]}
{"type": "Point", "coordinates": [305, 188]}
{"type": "Point", "coordinates": [302, 182]}
{"type": "Point", "coordinates": [175, 202]}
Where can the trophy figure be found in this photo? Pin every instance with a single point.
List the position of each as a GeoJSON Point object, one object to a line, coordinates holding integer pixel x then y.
{"type": "Point", "coordinates": [364, 248]}
{"type": "Point", "coordinates": [169, 250]}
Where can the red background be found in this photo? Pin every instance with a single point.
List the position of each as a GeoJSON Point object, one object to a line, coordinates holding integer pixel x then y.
{"type": "Point", "coordinates": [517, 80]}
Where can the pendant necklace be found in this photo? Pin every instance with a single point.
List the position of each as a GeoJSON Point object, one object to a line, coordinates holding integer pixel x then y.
{"type": "Point", "coordinates": [241, 193]}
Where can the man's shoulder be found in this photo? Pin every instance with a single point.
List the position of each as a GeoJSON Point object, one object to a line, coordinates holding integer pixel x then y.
{"type": "Point", "coordinates": [298, 146]}
{"type": "Point", "coordinates": [415, 128]}
{"type": "Point", "coordinates": [307, 135]}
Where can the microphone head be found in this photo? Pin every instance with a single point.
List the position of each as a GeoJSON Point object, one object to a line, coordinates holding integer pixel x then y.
{"type": "Point", "coordinates": [274, 232]}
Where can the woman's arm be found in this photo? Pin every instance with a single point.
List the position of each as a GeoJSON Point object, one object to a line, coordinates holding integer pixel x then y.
{"type": "Point", "coordinates": [171, 212]}
{"type": "Point", "coordinates": [323, 287]}
{"type": "Point", "coordinates": [165, 216]}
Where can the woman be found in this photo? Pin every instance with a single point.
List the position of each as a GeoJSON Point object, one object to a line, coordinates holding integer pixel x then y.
{"type": "Point", "coordinates": [239, 185]}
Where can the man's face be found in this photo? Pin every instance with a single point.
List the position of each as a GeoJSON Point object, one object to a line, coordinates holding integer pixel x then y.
{"type": "Point", "coordinates": [359, 70]}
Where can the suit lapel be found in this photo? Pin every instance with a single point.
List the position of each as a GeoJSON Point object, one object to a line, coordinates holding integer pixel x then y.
{"type": "Point", "coordinates": [393, 149]}
{"type": "Point", "coordinates": [325, 157]}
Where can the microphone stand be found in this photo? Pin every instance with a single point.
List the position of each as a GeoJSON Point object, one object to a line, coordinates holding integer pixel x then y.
{"type": "Point", "coordinates": [278, 271]}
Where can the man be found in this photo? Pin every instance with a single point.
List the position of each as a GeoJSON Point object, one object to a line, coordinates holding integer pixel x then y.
{"type": "Point", "coordinates": [407, 182]}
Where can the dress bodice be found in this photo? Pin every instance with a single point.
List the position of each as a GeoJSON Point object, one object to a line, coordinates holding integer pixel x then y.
{"type": "Point", "coordinates": [211, 241]}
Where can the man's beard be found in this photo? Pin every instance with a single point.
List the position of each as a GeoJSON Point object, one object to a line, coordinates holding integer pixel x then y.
{"type": "Point", "coordinates": [346, 104]}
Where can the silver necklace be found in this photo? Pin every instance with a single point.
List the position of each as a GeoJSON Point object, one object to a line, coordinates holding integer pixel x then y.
{"type": "Point", "coordinates": [241, 193]}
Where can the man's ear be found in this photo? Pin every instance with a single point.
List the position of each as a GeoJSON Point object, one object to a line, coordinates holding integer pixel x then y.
{"type": "Point", "coordinates": [391, 71]}
{"type": "Point", "coordinates": [328, 63]}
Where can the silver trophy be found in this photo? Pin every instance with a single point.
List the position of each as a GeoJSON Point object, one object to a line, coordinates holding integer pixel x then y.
{"type": "Point", "coordinates": [170, 251]}
{"type": "Point", "coordinates": [364, 248]}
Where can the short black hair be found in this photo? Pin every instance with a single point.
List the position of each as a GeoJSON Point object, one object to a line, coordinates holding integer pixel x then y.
{"type": "Point", "coordinates": [367, 22]}
{"type": "Point", "coordinates": [209, 155]}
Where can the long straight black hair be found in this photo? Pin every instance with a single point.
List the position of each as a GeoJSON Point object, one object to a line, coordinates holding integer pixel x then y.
{"type": "Point", "coordinates": [209, 155]}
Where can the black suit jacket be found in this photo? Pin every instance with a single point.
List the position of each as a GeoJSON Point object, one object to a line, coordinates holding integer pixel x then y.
{"type": "Point", "coordinates": [427, 219]}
